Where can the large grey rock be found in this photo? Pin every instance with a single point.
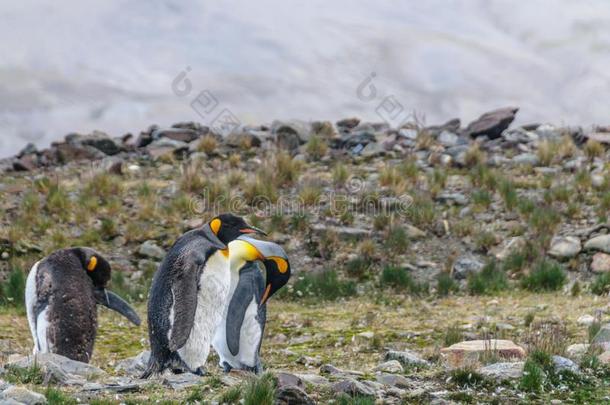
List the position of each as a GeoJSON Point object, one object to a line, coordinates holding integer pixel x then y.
{"type": "Point", "coordinates": [97, 140]}
{"type": "Point", "coordinates": [407, 358]}
{"type": "Point", "coordinates": [292, 395]}
{"type": "Point", "coordinates": [289, 135]}
{"type": "Point", "coordinates": [603, 336]}
{"type": "Point", "coordinates": [313, 379]}
{"type": "Point", "coordinates": [448, 139]}
{"type": "Point", "coordinates": [353, 388]}
{"type": "Point", "coordinates": [394, 380]}
{"type": "Point", "coordinates": [503, 371]}
{"type": "Point", "coordinates": [469, 352]}
{"type": "Point", "coordinates": [22, 395]}
{"type": "Point", "coordinates": [563, 364]}
{"type": "Point", "coordinates": [151, 250]}
{"type": "Point", "coordinates": [492, 123]}
{"type": "Point", "coordinates": [526, 159]}
{"type": "Point", "coordinates": [564, 247]}
{"type": "Point", "coordinates": [134, 366]}
{"type": "Point", "coordinates": [289, 380]}
{"type": "Point", "coordinates": [466, 265]}
{"type": "Point", "coordinates": [179, 382]}
{"type": "Point", "coordinates": [601, 243]}
{"type": "Point", "coordinates": [390, 366]}
{"type": "Point", "coordinates": [452, 126]}
{"type": "Point", "coordinates": [60, 367]}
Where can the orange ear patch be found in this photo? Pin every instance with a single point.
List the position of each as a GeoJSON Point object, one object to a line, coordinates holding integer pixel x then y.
{"type": "Point", "coordinates": [92, 263]}
{"type": "Point", "coordinates": [282, 265]}
{"type": "Point", "coordinates": [215, 225]}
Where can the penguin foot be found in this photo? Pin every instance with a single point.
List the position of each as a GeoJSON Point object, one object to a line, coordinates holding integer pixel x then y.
{"type": "Point", "coordinates": [200, 372]}
{"type": "Point", "coordinates": [226, 367]}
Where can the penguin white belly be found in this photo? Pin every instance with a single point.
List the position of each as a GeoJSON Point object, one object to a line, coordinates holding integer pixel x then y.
{"type": "Point", "coordinates": [220, 336]}
{"type": "Point", "coordinates": [38, 324]}
{"type": "Point", "coordinates": [211, 297]}
{"type": "Point", "coordinates": [250, 336]}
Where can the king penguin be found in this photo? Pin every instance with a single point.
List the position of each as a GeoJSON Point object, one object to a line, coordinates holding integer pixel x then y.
{"type": "Point", "coordinates": [239, 336]}
{"type": "Point", "coordinates": [188, 294]}
{"type": "Point", "coordinates": [61, 294]}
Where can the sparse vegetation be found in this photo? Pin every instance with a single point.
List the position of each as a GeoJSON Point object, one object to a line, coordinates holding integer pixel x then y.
{"type": "Point", "coordinates": [492, 279]}
{"type": "Point", "coordinates": [545, 276]}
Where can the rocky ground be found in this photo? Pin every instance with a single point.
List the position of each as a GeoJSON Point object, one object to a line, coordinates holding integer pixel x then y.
{"type": "Point", "coordinates": [432, 264]}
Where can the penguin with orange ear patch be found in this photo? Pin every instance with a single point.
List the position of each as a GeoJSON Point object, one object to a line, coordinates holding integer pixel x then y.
{"type": "Point", "coordinates": [61, 294]}
{"type": "Point", "coordinates": [238, 338]}
{"type": "Point", "coordinates": [188, 295]}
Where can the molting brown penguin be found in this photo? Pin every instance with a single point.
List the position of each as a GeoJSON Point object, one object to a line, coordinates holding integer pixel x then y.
{"type": "Point", "coordinates": [239, 336]}
{"type": "Point", "coordinates": [61, 294]}
{"type": "Point", "coordinates": [188, 295]}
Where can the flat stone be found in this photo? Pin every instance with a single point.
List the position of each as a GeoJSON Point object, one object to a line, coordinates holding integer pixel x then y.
{"type": "Point", "coordinates": [390, 366]}
{"type": "Point", "coordinates": [526, 159]}
{"type": "Point", "coordinates": [22, 396]}
{"type": "Point", "coordinates": [55, 363]}
{"type": "Point", "coordinates": [289, 380]}
{"type": "Point", "coordinates": [503, 371]}
{"type": "Point", "coordinates": [407, 358]}
{"type": "Point", "coordinates": [151, 250]}
{"type": "Point", "coordinates": [492, 123]}
{"type": "Point", "coordinates": [134, 366]}
{"type": "Point", "coordinates": [344, 232]}
{"type": "Point", "coordinates": [337, 372]}
{"type": "Point", "coordinates": [466, 265]}
{"type": "Point", "coordinates": [601, 243]}
{"type": "Point", "coordinates": [470, 352]}
{"type": "Point", "coordinates": [564, 247]}
{"type": "Point", "coordinates": [179, 382]}
{"type": "Point", "coordinates": [292, 395]}
{"type": "Point", "coordinates": [348, 123]}
{"type": "Point", "coordinates": [394, 380]}
{"type": "Point", "coordinates": [600, 263]}
{"type": "Point", "coordinates": [313, 379]}
{"type": "Point", "coordinates": [447, 138]}
{"type": "Point", "coordinates": [185, 135]}
{"type": "Point", "coordinates": [604, 358]}
{"type": "Point", "coordinates": [353, 388]}
{"type": "Point", "coordinates": [577, 351]}
{"type": "Point", "coordinates": [414, 232]}
{"type": "Point", "coordinates": [452, 198]}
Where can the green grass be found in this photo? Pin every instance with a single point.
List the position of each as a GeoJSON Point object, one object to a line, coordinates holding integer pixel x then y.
{"type": "Point", "coordinates": [13, 289]}
{"type": "Point", "coordinates": [399, 279]}
{"type": "Point", "coordinates": [325, 285]}
{"type": "Point", "coordinates": [231, 396]}
{"type": "Point", "coordinates": [18, 375]}
{"type": "Point", "coordinates": [453, 335]}
{"type": "Point", "coordinates": [358, 400]}
{"type": "Point", "coordinates": [445, 284]}
{"type": "Point", "coordinates": [545, 276]}
{"type": "Point", "coordinates": [533, 378]}
{"type": "Point", "coordinates": [601, 284]}
{"type": "Point", "coordinates": [56, 397]}
{"type": "Point", "coordinates": [358, 268]}
{"type": "Point", "coordinates": [466, 377]}
{"type": "Point", "coordinates": [260, 391]}
{"type": "Point", "coordinates": [491, 279]}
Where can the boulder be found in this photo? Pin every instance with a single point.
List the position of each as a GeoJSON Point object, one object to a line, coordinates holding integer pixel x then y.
{"type": "Point", "coordinates": [21, 395]}
{"type": "Point", "coordinates": [601, 243]}
{"type": "Point", "coordinates": [466, 265]}
{"type": "Point", "coordinates": [390, 366]}
{"type": "Point", "coordinates": [451, 126]}
{"type": "Point", "coordinates": [67, 152]}
{"type": "Point", "coordinates": [448, 139]}
{"type": "Point", "coordinates": [394, 380]}
{"type": "Point", "coordinates": [348, 123]}
{"type": "Point", "coordinates": [151, 250]}
{"type": "Point", "coordinates": [289, 380]}
{"type": "Point", "coordinates": [470, 352]}
{"type": "Point", "coordinates": [292, 395]}
{"type": "Point", "coordinates": [134, 366]}
{"type": "Point", "coordinates": [585, 320]}
{"type": "Point", "coordinates": [492, 123]}
{"type": "Point", "coordinates": [288, 133]}
{"type": "Point", "coordinates": [60, 368]}
{"type": "Point", "coordinates": [564, 247]}
{"type": "Point", "coordinates": [526, 159]}
{"type": "Point", "coordinates": [178, 382]}
{"type": "Point", "coordinates": [314, 379]}
{"type": "Point", "coordinates": [243, 140]}
{"type": "Point", "coordinates": [563, 364]}
{"type": "Point", "coordinates": [185, 135]}
{"type": "Point", "coordinates": [577, 351]}
{"type": "Point", "coordinates": [98, 140]}
{"type": "Point", "coordinates": [503, 371]}
{"type": "Point", "coordinates": [603, 335]}
{"type": "Point", "coordinates": [600, 263]}
{"type": "Point", "coordinates": [353, 388]}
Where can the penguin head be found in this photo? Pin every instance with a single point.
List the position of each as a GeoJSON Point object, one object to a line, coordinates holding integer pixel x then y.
{"type": "Point", "coordinates": [96, 266]}
{"type": "Point", "coordinates": [228, 227]}
{"type": "Point", "coordinates": [273, 257]}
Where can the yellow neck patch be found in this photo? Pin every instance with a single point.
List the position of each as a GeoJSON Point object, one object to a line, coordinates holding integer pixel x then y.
{"type": "Point", "coordinates": [215, 225]}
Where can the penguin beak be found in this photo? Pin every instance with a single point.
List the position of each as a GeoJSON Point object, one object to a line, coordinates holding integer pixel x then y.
{"type": "Point", "coordinates": [252, 229]}
{"type": "Point", "coordinates": [111, 300]}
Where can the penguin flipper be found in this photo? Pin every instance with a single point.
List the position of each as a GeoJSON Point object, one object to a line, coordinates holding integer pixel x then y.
{"type": "Point", "coordinates": [242, 297]}
{"type": "Point", "coordinates": [184, 289]}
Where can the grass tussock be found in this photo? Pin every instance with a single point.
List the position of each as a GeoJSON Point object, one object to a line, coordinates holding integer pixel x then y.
{"type": "Point", "coordinates": [490, 280]}
{"type": "Point", "coordinates": [546, 275]}
{"type": "Point", "coordinates": [324, 285]}
{"type": "Point", "coordinates": [399, 279]}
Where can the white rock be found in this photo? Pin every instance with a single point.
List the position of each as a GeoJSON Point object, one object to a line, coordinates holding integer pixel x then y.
{"type": "Point", "coordinates": [601, 242]}
{"type": "Point", "coordinates": [391, 366]}
{"type": "Point", "coordinates": [22, 395]}
{"type": "Point", "coordinates": [564, 247]}
{"type": "Point", "coordinates": [585, 320]}
{"type": "Point", "coordinates": [577, 351]}
{"type": "Point", "coordinates": [503, 371]}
